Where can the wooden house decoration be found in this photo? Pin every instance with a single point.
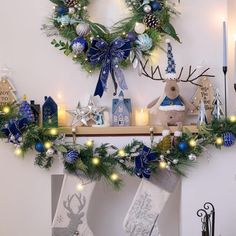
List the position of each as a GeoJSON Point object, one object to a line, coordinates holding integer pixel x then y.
{"type": "Point", "coordinates": [121, 111]}
{"type": "Point", "coordinates": [36, 112]}
{"type": "Point", "coordinates": [7, 91]}
{"type": "Point", "coordinates": [50, 113]}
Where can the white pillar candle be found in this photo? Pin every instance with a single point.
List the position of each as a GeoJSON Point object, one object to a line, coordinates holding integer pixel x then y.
{"type": "Point", "coordinates": [224, 44]}
{"type": "Point", "coordinates": [141, 117]}
{"type": "Point", "coordinates": [62, 115]}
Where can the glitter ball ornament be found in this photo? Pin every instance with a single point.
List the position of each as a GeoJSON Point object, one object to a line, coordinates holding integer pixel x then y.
{"type": "Point", "coordinates": [61, 10]}
{"type": "Point", "coordinates": [156, 6]}
{"type": "Point", "coordinates": [79, 45]}
{"type": "Point", "coordinates": [183, 146]}
{"type": "Point", "coordinates": [82, 29]}
{"type": "Point", "coordinates": [39, 147]}
{"type": "Point", "coordinates": [144, 42]}
{"type": "Point", "coordinates": [229, 139]}
{"type": "Point", "coordinates": [147, 8]}
{"type": "Point", "coordinates": [132, 36]}
{"type": "Point", "coordinates": [71, 156]}
{"type": "Point", "coordinates": [151, 21]}
{"type": "Point", "coordinates": [70, 3]}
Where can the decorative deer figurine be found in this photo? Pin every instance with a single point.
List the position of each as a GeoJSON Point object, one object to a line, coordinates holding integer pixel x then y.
{"type": "Point", "coordinates": [75, 218]}
{"type": "Point", "coordinates": [171, 108]}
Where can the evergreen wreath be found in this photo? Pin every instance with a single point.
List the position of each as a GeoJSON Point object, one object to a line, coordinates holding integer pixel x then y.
{"type": "Point", "coordinates": [95, 46]}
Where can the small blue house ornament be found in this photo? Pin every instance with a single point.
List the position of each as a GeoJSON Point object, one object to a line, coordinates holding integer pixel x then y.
{"type": "Point", "coordinates": [121, 111]}
{"type": "Point", "coordinates": [50, 113]}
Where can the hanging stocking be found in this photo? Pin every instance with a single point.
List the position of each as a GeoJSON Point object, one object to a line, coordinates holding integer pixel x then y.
{"type": "Point", "coordinates": [71, 214]}
{"type": "Point", "coordinates": [148, 203]}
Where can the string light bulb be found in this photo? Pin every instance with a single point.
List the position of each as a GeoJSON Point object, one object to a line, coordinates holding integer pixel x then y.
{"type": "Point", "coordinates": [114, 177]}
{"type": "Point", "coordinates": [89, 143]}
{"type": "Point", "coordinates": [6, 109]}
{"type": "Point", "coordinates": [48, 145]}
{"type": "Point", "coordinates": [96, 161]}
{"type": "Point", "coordinates": [18, 151]}
{"type": "Point", "coordinates": [232, 118]}
{"type": "Point", "coordinates": [53, 131]}
{"type": "Point", "coordinates": [219, 141]}
{"type": "Point", "coordinates": [80, 187]}
{"type": "Point", "coordinates": [192, 143]}
{"type": "Point", "coordinates": [163, 164]}
{"type": "Point", "coordinates": [121, 153]}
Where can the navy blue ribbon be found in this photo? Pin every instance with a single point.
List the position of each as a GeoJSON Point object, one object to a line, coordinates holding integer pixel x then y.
{"type": "Point", "coordinates": [109, 55]}
{"type": "Point", "coordinates": [142, 162]}
{"type": "Point", "coordinates": [13, 129]}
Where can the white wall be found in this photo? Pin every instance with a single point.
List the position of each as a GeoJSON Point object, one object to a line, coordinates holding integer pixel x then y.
{"type": "Point", "coordinates": [39, 69]}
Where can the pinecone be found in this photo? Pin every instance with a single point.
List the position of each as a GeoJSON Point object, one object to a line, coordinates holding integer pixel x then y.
{"type": "Point", "coordinates": [70, 3]}
{"type": "Point", "coordinates": [151, 21]}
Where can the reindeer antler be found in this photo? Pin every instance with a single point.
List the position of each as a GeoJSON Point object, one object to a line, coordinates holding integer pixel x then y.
{"type": "Point", "coordinates": [194, 79]}
{"type": "Point", "coordinates": [67, 204]}
{"type": "Point", "coordinates": [82, 202]}
{"type": "Point", "coordinates": [153, 72]}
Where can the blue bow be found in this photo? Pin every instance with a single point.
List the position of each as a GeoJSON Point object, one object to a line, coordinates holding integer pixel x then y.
{"type": "Point", "coordinates": [141, 162]}
{"type": "Point", "coordinates": [13, 129]}
{"type": "Point", "coordinates": [109, 55]}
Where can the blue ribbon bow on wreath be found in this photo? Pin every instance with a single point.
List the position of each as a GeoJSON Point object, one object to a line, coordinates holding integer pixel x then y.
{"type": "Point", "coordinates": [109, 55]}
{"type": "Point", "coordinates": [141, 162]}
{"type": "Point", "coordinates": [13, 129]}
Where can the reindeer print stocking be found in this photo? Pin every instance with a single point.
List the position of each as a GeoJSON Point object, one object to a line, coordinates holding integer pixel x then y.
{"type": "Point", "coordinates": [71, 214]}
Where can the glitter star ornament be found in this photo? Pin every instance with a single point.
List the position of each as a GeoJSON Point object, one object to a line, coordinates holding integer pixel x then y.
{"type": "Point", "coordinates": [85, 116]}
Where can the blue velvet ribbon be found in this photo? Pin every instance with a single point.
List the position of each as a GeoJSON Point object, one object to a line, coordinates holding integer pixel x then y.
{"type": "Point", "coordinates": [109, 55]}
{"type": "Point", "coordinates": [14, 128]}
{"type": "Point", "coordinates": [142, 162]}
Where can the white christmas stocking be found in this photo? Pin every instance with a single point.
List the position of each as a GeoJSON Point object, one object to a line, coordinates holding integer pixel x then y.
{"type": "Point", "coordinates": [148, 203]}
{"type": "Point", "coordinates": [71, 214]}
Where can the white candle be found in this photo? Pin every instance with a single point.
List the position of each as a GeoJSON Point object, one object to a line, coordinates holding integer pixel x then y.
{"type": "Point", "coordinates": [224, 44]}
{"type": "Point", "coordinates": [62, 115]}
{"type": "Point", "coordinates": [141, 117]}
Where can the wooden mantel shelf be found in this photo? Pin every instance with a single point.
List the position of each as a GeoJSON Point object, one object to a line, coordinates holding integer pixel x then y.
{"type": "Point", "coordinates": [123, 131]}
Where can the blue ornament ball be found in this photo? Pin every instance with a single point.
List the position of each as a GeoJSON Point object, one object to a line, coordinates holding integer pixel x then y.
{"type": "Point", "coordinates": [144, 42]}
{"type": "Point", "coordinates": [39, 147]}
{"type": "Point", "coordinates": [156, 6]}
{"type": "Point", "coordinates": [229, 139]}
{"type": "Point", "coordinates": [61, 10]}
{"type": "Point", "coordinates": [79, 45]}
{"type": "Point", "coordinates": [71, 156]}
{"type": "Point", "coordinates": [183, 146]}
{"type": "Point", "coordinates": [132, 36]}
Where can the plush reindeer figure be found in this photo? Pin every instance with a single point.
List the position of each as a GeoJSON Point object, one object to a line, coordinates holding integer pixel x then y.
{"type": "Point", "coordinates": [171, 108]}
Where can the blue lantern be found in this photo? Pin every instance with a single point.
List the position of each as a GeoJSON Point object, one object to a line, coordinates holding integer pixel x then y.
{"type": "Point", "coordinates": [39, 147]}
{"type": "Point", "coordinates": [71, 156]}
{"type": "Point", "coordinates": [229, 139]}
{"type": "Point", "coordinates": [61, 10]}
{"type": "Point", "coordinates": [156, 6]}
{"type": "Point", "coordinates": [183, 146]}
{"type": "Point", "coordinates": [79, 45]}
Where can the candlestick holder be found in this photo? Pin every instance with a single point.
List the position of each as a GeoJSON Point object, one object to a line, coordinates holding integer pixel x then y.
{"type": "Point", "coordinates": [207, 215]}
{"type": "Point", "coordinates": [225, 69]}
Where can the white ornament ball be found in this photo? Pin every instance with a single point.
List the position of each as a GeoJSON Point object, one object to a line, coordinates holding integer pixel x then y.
{"type": "Point", "coordinates": [175, 161]}
{"type": "Point", "coordinates": [147, 8]}
{"type": "Point", "coordinates": [192, 157]}
{"type": "Point", "coordinates": [82, 29]}
{"type": "Point", "coordinates": [139, 28]}
{"type": "Point", "coordinates": [50, 152]}
{"type": "Point", "coordinates": [71, 10]}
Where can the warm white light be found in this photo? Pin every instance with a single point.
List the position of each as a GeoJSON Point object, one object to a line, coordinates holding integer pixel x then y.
{"type": "Point", "coordinates": [53, 131]}
{"type": "Point", "coordinates": [193, 143]}
{"type": "Point", "coordinates": [114, 177]}
{"type": "Point", "coordinates": [18, 151]}
{"type": "Point", "coordinates": [48, 145]}
{"type": "Point", "coordinates": [219, 141]}
{"type": "Point", "coordinates": [79, 187]}
{"type": "Point", "coordinates": [95, 161]}
{"type": "Point", "coordinates": [6, 109]}
{"type": "Point", "coordinates": [89, 143]}
{"type": "Point", "coordinates": [163, 164]}
{"type": "Point", "coordinates": [121, 153]}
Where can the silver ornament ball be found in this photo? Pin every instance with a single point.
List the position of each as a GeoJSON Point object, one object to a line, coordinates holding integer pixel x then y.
{"type": "Point", "coordinates": [147, 8]}
{"type": "Point", "coordinates": [50, 152]}
{"type": "Point", "coordinates": [82, 29]}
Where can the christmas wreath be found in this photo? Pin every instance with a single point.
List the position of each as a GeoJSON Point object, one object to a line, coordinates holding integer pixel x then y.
{"type": "Point", "coordinates": [95, 46]}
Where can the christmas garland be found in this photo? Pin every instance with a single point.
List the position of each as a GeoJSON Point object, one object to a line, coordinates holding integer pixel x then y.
{"type": "Point", "coordinates": [95, 46]}
{"type": "Point", "coordinates": [173, 153]}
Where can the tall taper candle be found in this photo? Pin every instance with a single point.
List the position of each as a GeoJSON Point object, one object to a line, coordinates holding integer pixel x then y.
{"type": "Point", "coordinates": [224, 44]}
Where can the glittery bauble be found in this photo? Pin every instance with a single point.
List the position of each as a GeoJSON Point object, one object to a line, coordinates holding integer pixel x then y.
{"type": "Point", "coordinates": [229, 139]}
{"type": "Point", "coordinates": [156, 6]}
{"type": "Point", "coordinates": [61, 10]}
{"type": "Point", "coordinates": [71, 156]}
{"type": "Point", "coordinates": [147, 8]}
{"type": "Point", "coordinates": [132, 36]}
{"type": "Point", "coordinates": [144, 42]}
{"type": "Point", "coordinates": [82, 29]}
{"type": "Point", "coordinates": [183, 146]}
{"type": "Point", "coordinates": [70, 3]}
{"type": "Point", "coordinates": [39, 147]}
{"type": "Point", "coordinates": [79, 45]}
{"type": "Point", "coordinates": [151, 21]}
{"type": "Point", "coordinates": [139, 28]}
